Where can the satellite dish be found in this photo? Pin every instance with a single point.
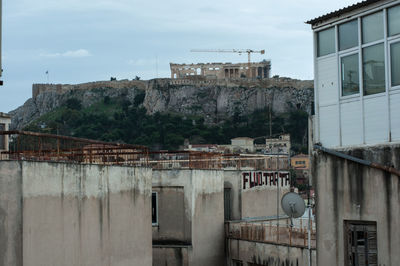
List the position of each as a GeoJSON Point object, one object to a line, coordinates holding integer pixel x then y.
{"type": "Point", "coordinates": [293, 205]}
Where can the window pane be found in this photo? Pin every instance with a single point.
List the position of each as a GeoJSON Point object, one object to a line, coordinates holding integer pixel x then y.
{"type": "Point", "coordinates": [326, 42]}
{"type": "Point", "coordinates": [373, 69]}
{"type": "Point", "coordinates": [395, 63]}
{"type": "Point", "coordinates": [394, 20]}
{"type": "Point", "coordinates": [350, 74]}
{"type": "Point", "coordinates": [372, 27]}
{"type": "Point", "coordinates": [348, 35]}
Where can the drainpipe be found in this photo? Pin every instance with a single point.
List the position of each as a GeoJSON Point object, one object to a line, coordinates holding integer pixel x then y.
{"type": "Point", "coordinates": [385, 168]}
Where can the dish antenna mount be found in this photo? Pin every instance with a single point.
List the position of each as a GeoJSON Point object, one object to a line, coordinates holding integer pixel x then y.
{"type": "Point", "coordinates": [293, 205]}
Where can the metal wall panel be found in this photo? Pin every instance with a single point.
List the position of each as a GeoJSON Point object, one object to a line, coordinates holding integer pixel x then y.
{"type": "Point", "coordinates": [351, 123]}
{"type": "Point", "coordinates": [395, 116]}
{"type": "Point", "coordinates": [376, 119]}
{"type": "Point", "coordinates": [327, 81]}
{"type": "Point", "coordinates": [329, 126]}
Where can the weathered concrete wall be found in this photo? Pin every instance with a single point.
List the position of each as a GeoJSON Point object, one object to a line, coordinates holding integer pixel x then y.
{"type": "Point", "coordinates": [171, 255]}
{"type": "Point", "coordinates": [208, 219]}
{"type": "Point", "coordinates": [203, 214]}
{"type": "Point", "coordinates": [76, 214]}
{"type": "Point", "coordinates": [268, 254]}
{"type": "Point", "coordinates": [256, 201]}
{"type": "Point", "coordinates": [263, 201]}
{"type": "Point", "coordinates": [174, 225]}
{"type": "Point", "coordinates": [349, 191]}
{"type": "Point", "coordinates": [10, 214]}
{"type": "Point", "coordinates": [233, 181]}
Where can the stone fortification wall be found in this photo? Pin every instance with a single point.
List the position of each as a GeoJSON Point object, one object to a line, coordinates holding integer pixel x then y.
{"type": "Point", "coordinates": [192, 81]}
{"type": "Point", "coordinates": [63, 88]}
{"type": "Point", "coordinates": [70, 214]}
{"type": "Point", "coordinates": [250, 83]}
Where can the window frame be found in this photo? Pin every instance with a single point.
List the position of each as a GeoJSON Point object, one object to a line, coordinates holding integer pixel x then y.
{"type": "Point", "coordinates": [349, 53]}
{"type": "Point", "coordinates": [333, 28]}
{"type": "Point", "coordinates": [383, 13]}
{"type": "Point", "coordinates": [387, 22]}
{"type": "Point", "coordinates": [385, 63]}
{"type": "Point", "coordinates": [389, 43]}
{"type": "Point", "coordinates": [338, 35]}
{"type": "Point", "coordinates": [346, 225]}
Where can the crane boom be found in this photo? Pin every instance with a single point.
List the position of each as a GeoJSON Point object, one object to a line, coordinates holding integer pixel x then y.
{"type": "Point", "coordinates": [239, 51]}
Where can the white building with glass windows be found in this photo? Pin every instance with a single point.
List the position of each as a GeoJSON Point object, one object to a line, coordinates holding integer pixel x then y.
{"type": "Point", "coordinates": [357, 75]}
{"type": "Point", "coordinates": [357, 128]}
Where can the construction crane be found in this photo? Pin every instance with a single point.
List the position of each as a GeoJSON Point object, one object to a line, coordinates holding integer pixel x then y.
{"type": "Point", "coordinates": [239, 51]}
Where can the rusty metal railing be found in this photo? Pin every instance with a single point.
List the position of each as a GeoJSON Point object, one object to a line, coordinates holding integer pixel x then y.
{"type": "Point", "coordinates": [33, 146]}
{"type": "Point", "coordinates": [271, 232]}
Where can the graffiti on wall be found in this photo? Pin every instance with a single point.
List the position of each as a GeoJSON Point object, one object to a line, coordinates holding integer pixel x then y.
{"type": "Point", "coordinates": [265, 178]}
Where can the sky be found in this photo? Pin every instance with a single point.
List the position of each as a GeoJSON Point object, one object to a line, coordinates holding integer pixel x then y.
{"type": "Point", "coordinates": [78, 41]}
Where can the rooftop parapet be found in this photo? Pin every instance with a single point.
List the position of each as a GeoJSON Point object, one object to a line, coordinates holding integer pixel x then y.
{"type": "Point", "coordinates": [33, 146]}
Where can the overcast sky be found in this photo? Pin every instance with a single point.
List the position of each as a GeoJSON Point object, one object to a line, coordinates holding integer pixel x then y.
{"type": "Point", "coordinates": [89, 40]}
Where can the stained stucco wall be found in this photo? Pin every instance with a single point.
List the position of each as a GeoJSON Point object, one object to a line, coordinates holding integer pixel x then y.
{"type": "Point", "coordinates": [268, 254]}
{"type": "Point", "coordinates": [10, 214]}
{"type": "Point", "coordinates": [171, 255]}
{"type": "Point", "coordinates": [203, 214]}
{"type": "Point", "coordinates": [80, 214]}
{"type": "Point", "coordinates": [349, 191]}
{"type": "Point", "coordinates": [233, 182]}
{"type": "Point", "coordinates": [255, 201]}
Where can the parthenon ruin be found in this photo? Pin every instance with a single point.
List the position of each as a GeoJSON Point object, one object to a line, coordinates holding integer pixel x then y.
{"type": "Point", "coordinates": [260, 70]}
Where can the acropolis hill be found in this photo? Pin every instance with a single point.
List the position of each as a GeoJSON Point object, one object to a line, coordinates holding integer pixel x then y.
{"type": "Point", "coordinates": [215, 100]}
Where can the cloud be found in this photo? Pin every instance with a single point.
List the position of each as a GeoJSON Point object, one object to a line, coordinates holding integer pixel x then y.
{"type": "Point", "coordinates": [141, 62]}
{"type": "Point", "coordinates": [71, 54]}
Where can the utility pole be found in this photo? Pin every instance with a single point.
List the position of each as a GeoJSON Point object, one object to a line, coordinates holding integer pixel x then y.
{"type": "Point", "coordinates": [1, 26]}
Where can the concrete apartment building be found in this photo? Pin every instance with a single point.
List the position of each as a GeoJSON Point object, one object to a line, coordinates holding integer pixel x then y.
{"type": "Point", "coordinates": [357, 129]}
{"type": "Point", "coordinates": [280, 145]}
{"type": "Point", "coordinates": [301, 165]}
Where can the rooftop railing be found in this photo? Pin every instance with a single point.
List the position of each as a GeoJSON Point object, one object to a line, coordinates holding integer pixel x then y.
{"type": "Point", "coordinates": [33, 146]}
{"type": "Point", "coordinates": [272, 232]}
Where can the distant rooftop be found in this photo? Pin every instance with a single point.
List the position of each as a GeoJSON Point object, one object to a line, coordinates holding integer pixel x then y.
{"type": "Point", "coordinates": [4, 115]}
{"type": "Point", "coordinates": [342, 11]}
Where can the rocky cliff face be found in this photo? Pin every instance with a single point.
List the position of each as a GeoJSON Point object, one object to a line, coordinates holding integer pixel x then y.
{"type": "Point", "coordinates": [214, 101]}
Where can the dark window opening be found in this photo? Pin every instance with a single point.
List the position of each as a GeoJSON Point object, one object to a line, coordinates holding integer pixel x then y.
{"type": "Point", "coordinates": [2, 137]}
{"type": "Point", "coordinates": [361, 241]}
{"type": "Point", "coordinates": [227, 204]}
{"type": "Point", "coordinates": [237, 263]}
{"type": "Point", "coordinates": [154, 208]}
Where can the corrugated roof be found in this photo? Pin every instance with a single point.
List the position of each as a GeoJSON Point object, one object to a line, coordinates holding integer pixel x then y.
{"type": "Point", "coordinates": [341, 11]}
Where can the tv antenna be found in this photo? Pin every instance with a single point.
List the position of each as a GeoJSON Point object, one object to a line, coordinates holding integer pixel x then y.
{"type": "Point", "coordinates": [293, 205]}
